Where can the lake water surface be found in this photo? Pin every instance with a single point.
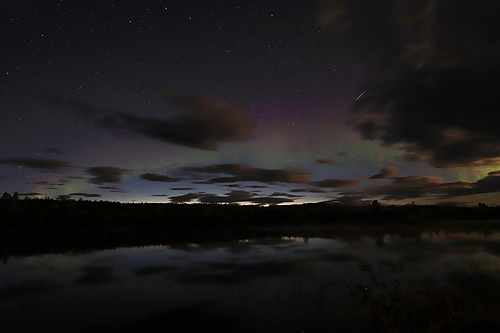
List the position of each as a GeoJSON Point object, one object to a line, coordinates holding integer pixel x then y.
{"type": "Point", "coordinates": [430, 281]}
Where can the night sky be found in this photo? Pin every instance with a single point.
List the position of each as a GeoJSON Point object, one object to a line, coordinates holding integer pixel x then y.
{"type": "Point", "coordinates": [255, 102]}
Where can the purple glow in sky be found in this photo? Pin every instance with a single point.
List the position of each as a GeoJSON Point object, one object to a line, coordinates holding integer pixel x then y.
{"type": "Point", "coordinates": [251, 102]}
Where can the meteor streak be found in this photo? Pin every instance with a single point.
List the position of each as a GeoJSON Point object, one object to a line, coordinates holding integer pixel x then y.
{"type": "Point", "coordinates": [362, 93]}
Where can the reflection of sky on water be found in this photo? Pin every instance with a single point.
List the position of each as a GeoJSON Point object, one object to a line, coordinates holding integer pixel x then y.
{"type": "Point", "coordinates": [283, 282]}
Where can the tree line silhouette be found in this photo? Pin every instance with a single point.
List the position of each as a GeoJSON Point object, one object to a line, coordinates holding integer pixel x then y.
{"type": "Point", "coordinates": [49, 213]}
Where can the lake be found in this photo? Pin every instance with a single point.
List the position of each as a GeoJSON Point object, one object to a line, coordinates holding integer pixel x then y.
{"type": "Point", "coordinates": [340, 278]}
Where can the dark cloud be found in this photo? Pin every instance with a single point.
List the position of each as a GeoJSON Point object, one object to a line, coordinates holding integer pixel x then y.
{"type": "Point", "coordinates": [288, 195]}
{"type": "Point", "coordinates": [433, 75]}
{"type": "Point", "coordinates": [351, 200]}
{"type": "Point", "coordinates": [63, 197]}
{"type": "Point", "coordinates": [87, 195]}
{"type": "Point", "coordinates": [270, 200]}
{"type": "Point", "coordinates": [185, 197]}
{"type": "Point", "coordinates": [336, 183]}
{"type": "Point", "coordinates": [31, 194]}
{"type": "Point", "coordinates": [158, 178]}
{"type": "Point", "coordinates": [411, 158]}
{"type": "Point", "coordinates": [181, 188]}
{"type": "Point", "coordinates": [105, 174]}
{"type": "Point", "coordinates": [448, 116]}
{"type": "Point", "coordinates": [385, 173]}
{"type": "Point", "coordinates": [408, 187]}
{"type": "Point", "coordinates": [256, 186]}
{"type": "Point", "coordinates": [411, 187]}
{"type": "Point", "coordinates": [53, 150]}
{"type": "Point", "coordinates": [242, 172]}
{"type": "Point", "coordinates": [308, 190]}
{"type": "Point", "coordinates": [110, 188]}
{"type": "Point", "coordinates": [233, 196]}
{"type": "Point", "coordinates": [159, 195]}
{"type": "Point", "coordinates": [393, 35]}
{"type": "Point", "coordinates": [36, 163]}
{"type": "Point", "coordinates": [325, 161]}
{"type": "Point", "coordinates": [488, 184]}
{"type": "Point", "coordinates": [205, 122]}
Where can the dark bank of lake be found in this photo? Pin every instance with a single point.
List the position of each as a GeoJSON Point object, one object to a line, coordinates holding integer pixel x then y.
{"type": "Point", "coordinates": [345, 277]}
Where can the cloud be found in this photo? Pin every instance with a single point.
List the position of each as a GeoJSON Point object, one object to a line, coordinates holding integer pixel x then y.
{"type": "Point", "coordinates": [270, 200]}
{"type": "Point", "coordinates": [36, 163]}
{"type": "Point", "coordinates": [242, 172]}
{"type": "Point", "coordinates": [411, 158]}
{"type": "Point", "coordinates": [235, 196]}
{"type": "Point", "coordinates": [308, 190]}
{"type": "Point", "coordinates": [336, 183]}
{"type": "Point", "coordinates": [110, 188]}
{"type": "Point", "coordinates": [105, 174]}
{"type": "Point", "coordinates": [158, 178]}
{"type": "Point", "coordinates": [408, 187]}
{"type": "Point", "coordinates": [433, 71]}
{"type": "Point", "coordinates": [87, 195]}
{"type": "Point", "coordinates": [205, 122]}
{"type": "Point", "coordinates": [385, 173]}
{"type": "Point", "coordinates": [185, 197]}
{"type": "Point", "coordinates": [432, 75]}
{"type": "Point", "coordinates": [351, 200]}
{"type": "Point", "coordinates": [288, 195]}
{"type": "Point", "coordinates": [181, 188]}
{"type": "Point", "coordinates": [447, 116]}
{"type": "Point", "coordinates": [417, 186]}
{"type": "Point", "coordinates": [391, 35]}
{"type": "Point", "coordinates": [325, 161]}
{"type": "Point", "coordinates": [244, 196]}
{"type": "Point", "coordinates": [31, 194]}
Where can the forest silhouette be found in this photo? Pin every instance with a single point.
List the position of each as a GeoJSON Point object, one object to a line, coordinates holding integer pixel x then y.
{"type": "Point", "coordinates": [51, 213]}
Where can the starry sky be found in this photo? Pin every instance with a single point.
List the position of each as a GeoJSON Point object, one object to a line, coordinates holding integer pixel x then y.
{"type": "Point", "coordinates": [251, 102]}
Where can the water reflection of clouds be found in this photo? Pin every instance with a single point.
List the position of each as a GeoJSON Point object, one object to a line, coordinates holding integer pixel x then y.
{"type": "Point", "coordinates": [232, 273]}
{"type": "Point", "coordinates": [152, 270]}
{"type": "Point", "coordinates": [29, 288]}
{"type": "Point", "coordinates": [96, 275]}
{"type": "Point", "coordinates": [266, 270]}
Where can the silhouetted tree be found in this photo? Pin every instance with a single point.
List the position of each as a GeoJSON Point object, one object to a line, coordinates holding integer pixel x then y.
{"type": "Point", "coordinates": [6, 196]}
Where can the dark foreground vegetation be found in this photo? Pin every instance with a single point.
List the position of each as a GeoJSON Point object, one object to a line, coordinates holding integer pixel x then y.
{"type": "Point", "coordinates": [48, 213]}
{"type": "Point", "coordinates": [36, 226]}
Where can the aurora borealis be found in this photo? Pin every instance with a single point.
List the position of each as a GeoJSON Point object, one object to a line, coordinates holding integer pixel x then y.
{"type": "Point", "coordinates": [251, 102]}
